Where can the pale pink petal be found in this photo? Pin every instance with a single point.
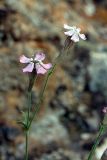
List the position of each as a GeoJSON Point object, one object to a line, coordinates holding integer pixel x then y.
{"type": "Point", "coordinates": [29, 67]}
{"type": "Point", "coordinates": [82, 36]}
{"type": "Point", "coordinates": [39, 56]}
{"type": "Point", "coordinates": [24, 59]}
{"type": "Point", "coordinates": [68, 27]}
{"type": "Point", "coordinates": [69, 33]}
{"type": "Point", "coordinates": [104, 110]}
{"type": "Point", "coordinates": [40, 69]}
{"type": "Point", "coordinates": [75, 38]}
{"type": "Point", "coordinates": [46, 66]}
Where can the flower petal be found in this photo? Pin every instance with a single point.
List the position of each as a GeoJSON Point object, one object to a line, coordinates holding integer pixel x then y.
{"type": "Point", "coordinates": [29, 67]}
{"type": "Point", "coordinates": [82, 36]}
{"type": "Point", "coordinates": [75, 38]}
{"type": "Point", "coordinates": [104, 109]}
{"type": "Point", "coordinates": [40, 56]}
{"type": "Point", "coordinates": [46, 66]}
{"type": "Point", "coordinates": [69, 33]}
{"type": "Point", "coordinates": [69, 27]}
{"type": "Point", "coordinates": [24, 59]}
{"type": "Point", "coordinates": [40, 69]}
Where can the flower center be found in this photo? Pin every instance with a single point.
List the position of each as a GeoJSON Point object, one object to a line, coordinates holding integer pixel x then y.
{"type": "Point", "coordinates": [31, 60]}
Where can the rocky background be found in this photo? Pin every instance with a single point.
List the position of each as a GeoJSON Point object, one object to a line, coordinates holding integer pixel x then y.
{"type": "Point", "coordinates": [71, 113]}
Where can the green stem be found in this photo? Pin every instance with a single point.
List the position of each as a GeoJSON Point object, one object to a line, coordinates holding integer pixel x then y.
{"type": "Point", "coordinates": [26, 129]}
{"type": "Point", "coordinates": [29, 106]}
{"type": "Point", "coordinates": [102, 127]}
{"type": "Point", "coordinates": [26, 154]}
{"type": "Point", "coordinates": [32, 79]}
{"type": "Point", "coordinates": [31, 82]}
{"type": "Point", "coordinates": [41, 95]}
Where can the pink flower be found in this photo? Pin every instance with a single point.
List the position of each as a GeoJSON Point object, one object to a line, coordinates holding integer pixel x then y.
{"type": "Point", "coordinates": [74, 33]}
{"type": "Point", "coordinates": [35, 63]}
{"type": "Point", "coordinates": [104, 110]}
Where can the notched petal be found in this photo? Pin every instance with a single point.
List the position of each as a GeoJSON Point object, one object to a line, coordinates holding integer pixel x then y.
{"type": "Point", "coordinates": [29, 67]}
{"type": "Point", "coordinates": [24, 59]}
{"type": "Point", "coordinates": [47, 66]}
{"type": "Point", "coordinates": [82, 36]}
{"type": "Point", "coordinates": [40, 69]}
{"type": "Point", "coordinates": [39, 56]}
{"type": "Point", "coordinates": [75, 38]}
{"type": "Point", "coordinates": [69, 33]}
{"type": "Point", "coordinates": [68, 27]}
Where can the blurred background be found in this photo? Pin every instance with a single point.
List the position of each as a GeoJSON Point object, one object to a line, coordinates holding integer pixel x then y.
{"type": "Point", "coordinates": [71, 112]}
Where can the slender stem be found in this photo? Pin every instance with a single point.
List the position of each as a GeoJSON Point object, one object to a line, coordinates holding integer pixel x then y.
{"type": "Point", "coordinates": [30, 97]}
{"type": "Point", "coordinates": [28, 113]}
{"type": "Point", "coordinates": [26, 154]}
{"type": "Point", "coordinates": [102, 127]}
{"type": "Point", "coordinates": [29, 106]}
{"type": "Point", "coordinates": [27, 131]}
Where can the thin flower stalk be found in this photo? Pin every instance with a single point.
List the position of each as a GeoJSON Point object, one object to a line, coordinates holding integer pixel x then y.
{"type": "Point", "coordinates": [32, 79]}
{"type": "Point", "coordinates": [26, 140]}
{"type": "Point", "coordinates": [101, 130]}
{"type": "Point", "coordinates": [29, 94]}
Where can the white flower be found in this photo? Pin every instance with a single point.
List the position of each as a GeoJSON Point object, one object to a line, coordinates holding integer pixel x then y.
{"type": "Point", "coordinates": [74, 33]}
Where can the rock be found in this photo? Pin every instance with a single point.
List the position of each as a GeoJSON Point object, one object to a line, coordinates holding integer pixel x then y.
{"type": "Point", "coordinates": [98, 73]}
{"type": "Point", "coordinates": [48, 127]}
{"type": "Point", "coordinates": [101, 3]}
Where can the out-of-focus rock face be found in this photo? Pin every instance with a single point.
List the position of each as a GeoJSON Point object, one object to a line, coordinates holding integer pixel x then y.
{"type": "Point", "coordinates": [71, 112]}
{"type": "Point", "coordinates": [98, 73]}
{"type": "Point", "coordinates": [101, 2]}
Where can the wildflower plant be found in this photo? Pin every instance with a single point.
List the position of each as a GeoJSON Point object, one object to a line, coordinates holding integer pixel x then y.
{"type": "Point", "coordinates": [34, 66]}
